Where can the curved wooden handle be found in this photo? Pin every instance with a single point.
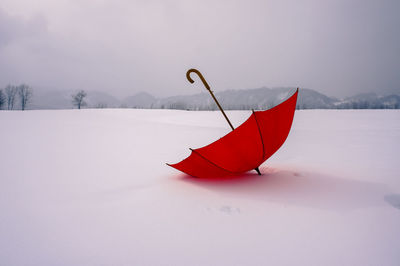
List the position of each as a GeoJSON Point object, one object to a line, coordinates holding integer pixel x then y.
{"type": "Point", "coordinates": [209, 90]}
{"type": "Point", "coordinates": [200, 75]}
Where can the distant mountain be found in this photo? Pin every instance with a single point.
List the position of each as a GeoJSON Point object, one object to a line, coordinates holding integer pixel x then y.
{"type": "Point", "coordinates": [96, 99]}
{"type": "Point", "coordinates": [369, 101]}
{"type": "Point", "coordinates": [258, 99]}
{"type": "Point", "coordinates": [265, 98]}
{"type": "Point", "coordinates": [310, 99]}
{"type": "Point", "coordinates": [261, 98]}
{"type": "Point", "coordinates": [140, 100]}
{"type": "Point", "coordinates": [50, 100]}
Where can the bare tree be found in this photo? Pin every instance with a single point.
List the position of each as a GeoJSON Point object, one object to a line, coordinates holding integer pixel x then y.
{"type": "Point", "coordinates": [25, 95]}
{"type": "Point", "coordinates": [2, 99]}
{"type": "Point", "coordinates": [77, 99]}
{"type": "Point", "coordinates": [11, 92]}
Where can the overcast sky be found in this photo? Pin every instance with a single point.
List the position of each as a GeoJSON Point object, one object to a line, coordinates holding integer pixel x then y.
{"type": "Point", "coordinates": [338, 47]}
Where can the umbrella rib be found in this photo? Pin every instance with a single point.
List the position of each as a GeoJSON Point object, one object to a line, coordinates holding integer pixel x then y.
{"type": "Point", "coordinates": [198, 153]}
{"type": "Point", "coordinates": [260, 134]}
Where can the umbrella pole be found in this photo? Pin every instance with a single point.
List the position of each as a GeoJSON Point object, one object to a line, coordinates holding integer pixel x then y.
{"type": "Point", "coordinates": [212, 95]}
{"type": "Point", "coordinates": [209, 90]}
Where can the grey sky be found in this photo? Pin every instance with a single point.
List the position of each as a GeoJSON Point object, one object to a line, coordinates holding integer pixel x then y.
{"type": "Point", "coordinates": [338, 47]}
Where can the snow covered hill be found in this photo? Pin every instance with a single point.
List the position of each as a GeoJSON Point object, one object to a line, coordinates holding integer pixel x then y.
{"type": "Point", "coordinates": [90, 187]}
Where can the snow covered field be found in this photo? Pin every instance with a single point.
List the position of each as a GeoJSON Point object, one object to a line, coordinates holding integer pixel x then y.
{"type": "Point", "coordinates": [90, 187]}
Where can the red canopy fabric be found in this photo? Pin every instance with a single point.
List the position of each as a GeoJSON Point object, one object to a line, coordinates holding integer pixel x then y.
{"type": "Point", "coordinates": [246, 147]}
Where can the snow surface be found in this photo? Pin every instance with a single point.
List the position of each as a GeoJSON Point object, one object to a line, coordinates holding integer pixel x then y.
{"type": "Point", "coordinates": [90, 187]}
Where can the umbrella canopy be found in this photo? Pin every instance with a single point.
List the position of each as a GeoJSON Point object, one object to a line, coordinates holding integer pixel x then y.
{"type": "Point", "coordinates": [244, 148]}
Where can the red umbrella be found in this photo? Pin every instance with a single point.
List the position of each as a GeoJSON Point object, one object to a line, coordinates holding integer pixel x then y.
{"type": "Point", "coordinates": [244, 148]}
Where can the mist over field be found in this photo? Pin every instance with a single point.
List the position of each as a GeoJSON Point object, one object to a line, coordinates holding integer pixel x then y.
{"type": "Point", "coordinates": [337, 47]}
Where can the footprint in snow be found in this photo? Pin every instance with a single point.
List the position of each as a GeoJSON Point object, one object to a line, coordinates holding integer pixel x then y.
{"type": "Point", "coordinates": [229, 210]}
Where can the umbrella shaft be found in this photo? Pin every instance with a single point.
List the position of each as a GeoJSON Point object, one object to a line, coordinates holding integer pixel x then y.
{"type": "Point", "coordinates": [222, 110]}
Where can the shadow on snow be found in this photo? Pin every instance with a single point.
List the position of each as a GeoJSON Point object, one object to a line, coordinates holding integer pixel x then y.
{"type": "Point", "coordinates": [303, 189]}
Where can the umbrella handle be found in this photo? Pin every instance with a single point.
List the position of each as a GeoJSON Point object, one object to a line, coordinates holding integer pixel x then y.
{"type": "Point", "coordinates": [198, 74]}
{"type": "Point", "coordinates": [209, 90]}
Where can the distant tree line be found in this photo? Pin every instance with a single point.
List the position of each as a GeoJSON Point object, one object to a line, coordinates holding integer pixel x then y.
{"type": "Point", "coordinates": [19, 97]}
{"type": "Point", "coordinates": [212, 107]}
{"type": "Point", "coordinates": [13, 95]}
{"type": "Point", "coordinates": [8, 98]}
{"type": "Point", "coordinates": [386, 102]}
